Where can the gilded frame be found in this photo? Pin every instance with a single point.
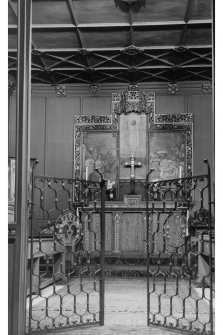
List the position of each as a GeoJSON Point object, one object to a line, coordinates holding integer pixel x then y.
{"type": "Point", "coordinates": [91, 124]}
{"type": "Point", "coordinates": [174, 124]}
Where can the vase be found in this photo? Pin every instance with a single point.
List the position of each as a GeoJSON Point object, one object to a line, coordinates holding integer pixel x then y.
{"type": "Point", "coordinates": [111, 195]}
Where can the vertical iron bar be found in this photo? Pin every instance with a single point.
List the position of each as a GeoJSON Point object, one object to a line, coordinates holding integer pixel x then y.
{"type": "Point", "coordinates": [22, 168]}
{"type": "Point", "coordinates": [147, 250]}
{"type": "Point", "coordinates": [147, 244]}
{"type": "Point", "coordinates": [210, 245]}
{"type": "Point", "coordinates": [34, 161]}
{"type": "Point", "coordinates": [102, 282]}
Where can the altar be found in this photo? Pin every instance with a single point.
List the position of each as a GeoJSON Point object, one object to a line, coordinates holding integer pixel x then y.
{"type": "Point", "coordinates": [127, 149]}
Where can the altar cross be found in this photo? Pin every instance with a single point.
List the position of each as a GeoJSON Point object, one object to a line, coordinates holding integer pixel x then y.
{"type": "Point", "coordinates": [132, 165]}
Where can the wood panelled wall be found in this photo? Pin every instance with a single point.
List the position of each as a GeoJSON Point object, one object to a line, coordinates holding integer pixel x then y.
{"type": "Point", "coordinates": [52, 122]}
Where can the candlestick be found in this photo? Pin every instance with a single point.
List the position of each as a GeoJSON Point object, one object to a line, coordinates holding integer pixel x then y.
{"type": "Point", "coordinates": [180, 171]}
{"type": "Point", "coordinates": [86, 173]}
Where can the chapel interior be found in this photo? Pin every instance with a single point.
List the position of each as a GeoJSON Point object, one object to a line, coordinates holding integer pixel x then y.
{"type": "Point", "coordinates": [111, 162]}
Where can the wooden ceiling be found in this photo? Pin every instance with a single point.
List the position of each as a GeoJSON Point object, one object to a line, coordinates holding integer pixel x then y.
{"type": "Point", "coordinates": [108, 41]}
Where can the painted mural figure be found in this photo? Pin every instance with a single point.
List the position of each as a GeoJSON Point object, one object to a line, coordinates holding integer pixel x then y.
{"type": "Point", "coordinates": [99, 164]}
{"type": "Point", "coordinates": [99, 153]}
{"type": "Point", "coordinates": [167, 156]}
{"type": "Point", "coordinates": [168, 169]}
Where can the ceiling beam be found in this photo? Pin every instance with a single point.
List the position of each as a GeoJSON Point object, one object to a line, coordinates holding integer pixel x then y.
{"type": "Point", "coordinates": [152, 47]}
{"type": "Point", "coordinates": [73, 25]}
{"type": "Point", "coordinates": [114, 68]}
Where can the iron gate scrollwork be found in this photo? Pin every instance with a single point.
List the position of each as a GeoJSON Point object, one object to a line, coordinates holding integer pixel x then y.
{"type": "Point", "coordinates": [180, 267]}
{"type": "Point", "coordinates": [66, 271]}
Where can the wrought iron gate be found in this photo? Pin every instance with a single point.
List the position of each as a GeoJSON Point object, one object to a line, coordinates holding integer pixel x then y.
{"type": "Point", "coordinates": [180, 240]}
{"type": "Point", "coordinates": [66, 273]}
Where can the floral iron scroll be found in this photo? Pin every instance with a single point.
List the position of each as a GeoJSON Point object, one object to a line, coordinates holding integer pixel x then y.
{"type": "Point", "coordinates": [68, 229]}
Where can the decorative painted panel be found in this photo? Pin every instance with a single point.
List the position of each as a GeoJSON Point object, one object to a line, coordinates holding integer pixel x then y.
{"type": "Point", "coordinates": [95, 146]}
{"type": "Point", "coordinates": [167, 154]}
{"type": "Point", "coordinates": [170, 146]}
{"type": "Point", "coordinates": [99, 151]}
{"type": "Point", "coordinates": [133, 133]}
{"type": "Point", "coordinates": [131, 233]}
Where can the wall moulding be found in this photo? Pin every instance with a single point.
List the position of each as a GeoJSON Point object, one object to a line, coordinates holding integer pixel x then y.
{"type": "Point", "coordinates": [107, 89]}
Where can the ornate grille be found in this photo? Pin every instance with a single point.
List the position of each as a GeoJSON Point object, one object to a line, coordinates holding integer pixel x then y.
{"type": "Point", "coordinates": [65, 266]}
{"type": "Point", "coordinates": [180, 238]}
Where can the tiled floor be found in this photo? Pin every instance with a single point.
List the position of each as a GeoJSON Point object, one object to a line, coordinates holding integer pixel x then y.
{"type": "Point", "coordinates": [125, 306]}
{"type": "Point", "coordinates": [117, 330]}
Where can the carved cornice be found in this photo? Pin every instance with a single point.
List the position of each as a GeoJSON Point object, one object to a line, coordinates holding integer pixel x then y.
{"type": "Point", "coordinates": [77, 90]}
{"type": "Point", "coordinates": [133, 101]}
{"type": "Point", "coordinates": [93, 119]}
{"type": "Point", "coordinates": [173, 118]}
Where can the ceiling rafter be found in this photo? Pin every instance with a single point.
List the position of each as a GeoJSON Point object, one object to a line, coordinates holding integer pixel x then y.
{"type": "Point", "coordinates": [191, 60]}
{"type": "Point", "coordinates": [135, 49]}
{"type": "Point", "coordinates": [71, 9]}
{"type": "Point", "coordinates": [202, 55]}
{"type": "Point", "coordinates": [132, 41]}
{"type": "Point", "coordinates": [41, 79]}
{"type": "Point", "coordinates": [44, 65]}
{"type": "Point", "coordinates": [126, 68]}
{"type": "Point", "coordinates": [159, 58]}
{"type": "Point", "coordinates": [193, 73]}
{"type": "Point", "coordinates": [200, 73]}
{"type": "Point", "coordinates": [154, 75]}
{"type": "Point", "coordinates": [186, 20]}
{"type": "Point", "coordinates": [111, 58]}
{"type": "Point", "coordinates": [62, 60]}
{"type": "Point", "coordinates": [66, 80]}
{"type": "Point", "coordinates": [152, 47]}
{"type": "Point", "coordinates": [68, 77]}
{"type": "Point", "coordinates": [13, 8]}
{"type": "Point", "coordinates": [43, 62]}
{"type": "Point", "coordinates": [158, 73]}
{"type": "Point", "coordinates": [73, 18]}
{"type": "Point", "coordinates": [112, 76]}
